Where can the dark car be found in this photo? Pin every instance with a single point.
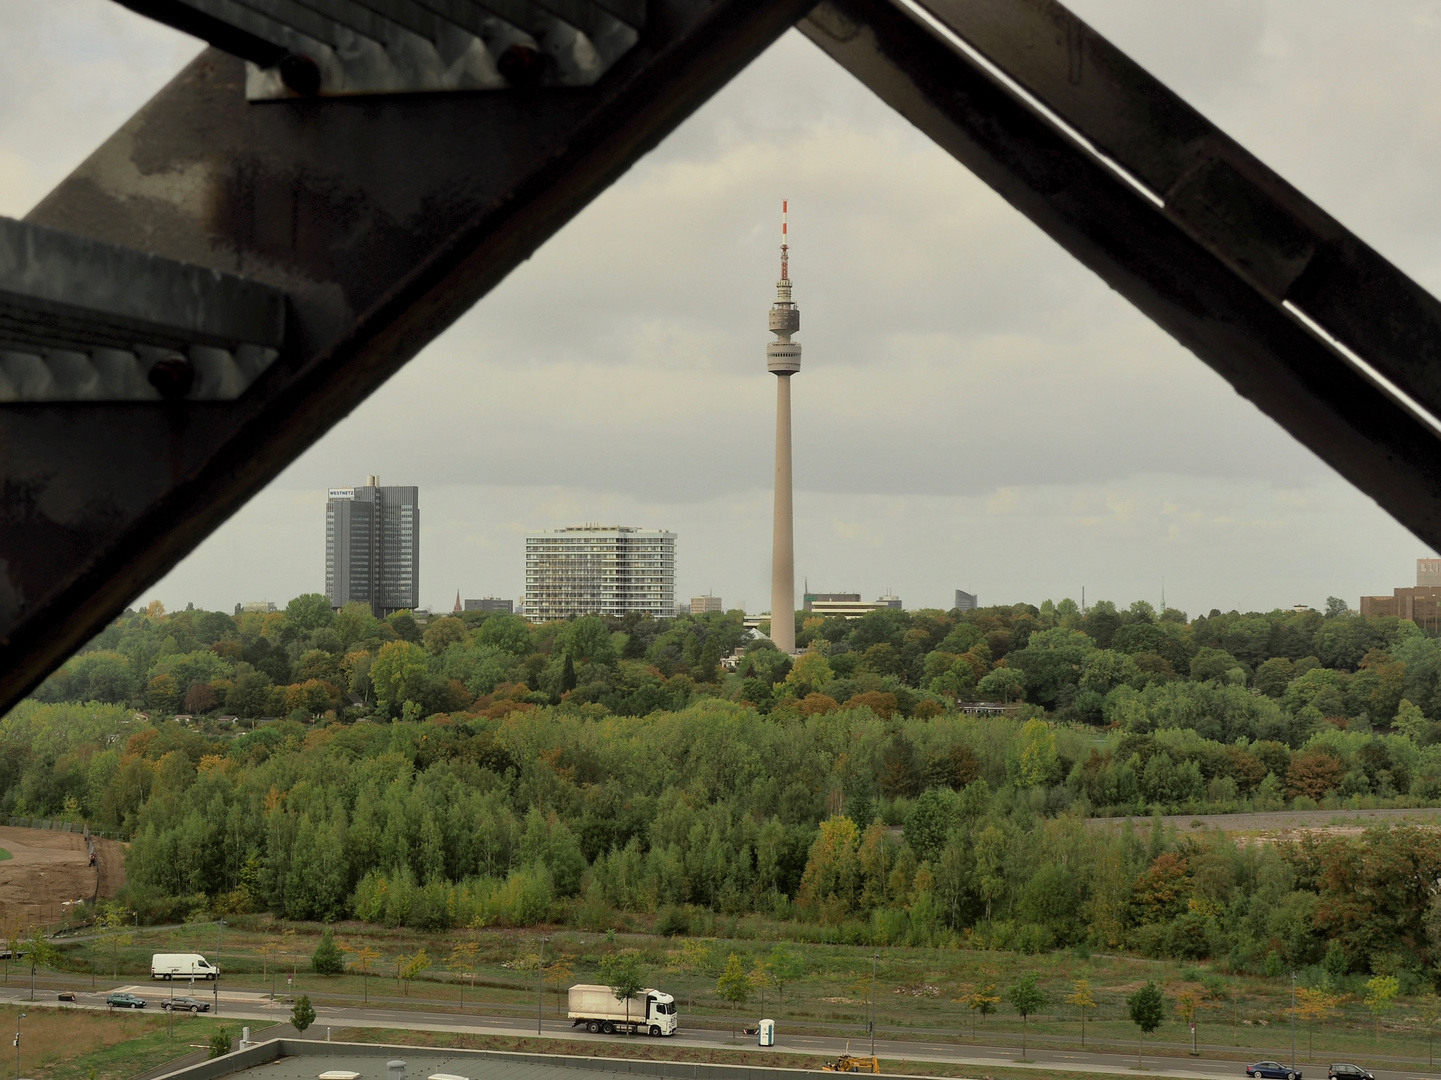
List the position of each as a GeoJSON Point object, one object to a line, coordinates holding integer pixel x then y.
{"type": "Point", "coordinates": [183, 1003]}
{"type": "Point", "coordinates": [1346, 1071]}
{"type": "Point", "coordinates": [122, 1000]}
{"type": "Point", "coordinates": [65, 995]}
{"type": "Point", "coordinates": [1273, 1070]}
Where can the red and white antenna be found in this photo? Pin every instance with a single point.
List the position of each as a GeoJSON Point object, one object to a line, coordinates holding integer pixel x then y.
{"type": "Point", "coordinates": [785, 266]}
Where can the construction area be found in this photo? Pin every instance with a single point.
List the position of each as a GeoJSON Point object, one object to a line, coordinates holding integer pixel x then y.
{"type": "Point", "coordinates": [49, 869]}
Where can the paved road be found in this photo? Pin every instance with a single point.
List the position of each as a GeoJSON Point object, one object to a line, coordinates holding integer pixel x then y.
{"type": "Point", "coordinates": [242, 1005]}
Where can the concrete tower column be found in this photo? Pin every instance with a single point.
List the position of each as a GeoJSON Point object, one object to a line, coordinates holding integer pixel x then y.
{"type": "Point", "coordinates": [783, 359]}
{"type": "Point", "coordinates": [783, 550]}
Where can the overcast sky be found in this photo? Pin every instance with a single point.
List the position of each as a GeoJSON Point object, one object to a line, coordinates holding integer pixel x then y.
{"type": "Point", "coordinates": [975, 411]}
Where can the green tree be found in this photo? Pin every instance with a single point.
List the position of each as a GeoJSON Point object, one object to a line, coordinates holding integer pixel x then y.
{"type": "Point", "coordinates": [622, 973]}
{"type": "Point", "coordinates": [326, 959]}
{"type": "Point", "coordinates": [302, 1013]}
{"type": "Point", "coordinates": [40, 951]}
{"type": "Point", "coordinates": [785, 968]}
{"type": "Point", "coordinates": [309, 612]}
{"type": "Point", "coordinates": [220, 1042]}
{"type": "Point", "coordinates": [400, 674]}
{"type": "Point", "coordinates": [1428, 1018]}
{"type": "Point", "coordinates": [1026, 998]}
{"type": "Point", "coordinates": [1147, 1007]}
{"type": "Point", "coordinates": [734, 985]}
{"type": "Point", "coordinates": [1381, 991]}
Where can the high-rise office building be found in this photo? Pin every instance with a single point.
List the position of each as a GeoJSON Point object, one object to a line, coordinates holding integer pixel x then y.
{"type": "Point", "coordinates": [1428, 573]}
{"type": "Point", "coordinates": [372, 547]}
{"type": "Point", "coordinates": [609, 570]}
{"type": "Point", "coordinates": [701, 605]}
{"type": "Point", "coordinates": [966, 601]}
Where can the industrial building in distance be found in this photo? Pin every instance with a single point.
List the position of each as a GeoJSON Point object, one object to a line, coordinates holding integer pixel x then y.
{"type": "Point", "coordinates": [1421, 604]}
{"type": "Point", "coordinates": [610, 570]}
{"type": "Point", "coordinates": [846, 605]}
{"type": "Point", "coordinates": [372, 547]}
{"type": "Point", "coordinates": [966, 601]}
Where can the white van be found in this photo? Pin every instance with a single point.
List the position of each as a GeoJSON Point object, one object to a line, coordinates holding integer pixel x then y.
{"type": "Point", "coordinates": [182, 965]}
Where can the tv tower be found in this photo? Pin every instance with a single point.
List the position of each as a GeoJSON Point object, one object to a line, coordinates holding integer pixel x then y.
{"type": "Point", "coordinates": [783, 359]}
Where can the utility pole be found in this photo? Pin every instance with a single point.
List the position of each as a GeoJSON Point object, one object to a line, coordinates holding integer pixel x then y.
{"type": "Point", "coordinates": [540, 986]}
{"type": "Point", "coordinates": [17, 1044]}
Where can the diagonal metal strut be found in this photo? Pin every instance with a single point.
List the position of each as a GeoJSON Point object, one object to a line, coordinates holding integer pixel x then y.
{"type": "Point", "coordinates": [382, 220]}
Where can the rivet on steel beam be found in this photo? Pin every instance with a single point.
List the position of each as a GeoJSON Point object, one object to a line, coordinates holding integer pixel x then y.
{"type": "Point", "coordinates": [301, 74]}
{"type": "Point", "coordinates": [521, 65]}
{"type": "Point", "coordinates": [173, 377]}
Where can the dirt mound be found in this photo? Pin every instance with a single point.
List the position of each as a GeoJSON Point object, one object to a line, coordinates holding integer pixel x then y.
{"type": "Point", "coordinates": [48, 868]}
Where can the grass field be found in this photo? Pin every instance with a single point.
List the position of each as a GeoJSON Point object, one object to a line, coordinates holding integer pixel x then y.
{"type": "Point", "coordinates": [915, 989]}
{"type": "Point", "coordinates": [647, 1050]}
{"type": "Point", "coordinates": [5, 855]}
{"type": "Point", "coordinates": [84, 1045]}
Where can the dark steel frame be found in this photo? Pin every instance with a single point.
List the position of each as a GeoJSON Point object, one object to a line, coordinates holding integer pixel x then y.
{"type": "Point", "coordinates": [383, 220]}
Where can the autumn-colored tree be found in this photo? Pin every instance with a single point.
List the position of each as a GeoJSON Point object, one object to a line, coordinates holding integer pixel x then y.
{"type": "Point", "coordinates": [1313, 1004]}
{"type": "Point", "coordinates": [1313, 774]}
{"type": "Point", "coordinates": [1162, 890]}
{"type": "Point", "coordinates": [365, 956]}
{"type": "Point", "coordinates": [981, 999]}
{"type": "Point", "coordinates": [462, 960]}
{"type": "Point", "coordinates": [832, 873]}
{"type": "Point", "coordinates": [1081, 997]}
{"type": "Point", "coordinates": [1188, 1001]}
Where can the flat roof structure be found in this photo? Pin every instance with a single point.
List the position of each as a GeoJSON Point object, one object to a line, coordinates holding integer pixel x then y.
{"type": "Point", "coordinates": [309, 1059]}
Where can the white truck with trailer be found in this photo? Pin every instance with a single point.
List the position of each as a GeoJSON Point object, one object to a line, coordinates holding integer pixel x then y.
{"type": "Point", "coordinates": [182, 965]}
{"type": "Point", "coordinates": [648, 1013]}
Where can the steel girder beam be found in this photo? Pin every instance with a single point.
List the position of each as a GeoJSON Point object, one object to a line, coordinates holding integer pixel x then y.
{"type": "Point", "coordinates": [382, 220]}
{"type": "Point", "coordinates": [1174, 215]}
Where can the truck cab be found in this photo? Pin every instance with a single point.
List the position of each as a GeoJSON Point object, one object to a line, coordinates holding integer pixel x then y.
{"type": "Point", "coordinates": [660, 1011]}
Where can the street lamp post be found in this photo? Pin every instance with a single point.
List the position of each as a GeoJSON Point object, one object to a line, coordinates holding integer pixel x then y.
{"type": "Point", "coordinates": [540, 986]}
{"type": "Point", "coordinates": [1293, 1020]}
{"type": "Point", "coordinates": [220, 924]}
{"type": "Point", "coordinates": [874, 957]}
{"type": "Point", "coordinates": [17, 1044]}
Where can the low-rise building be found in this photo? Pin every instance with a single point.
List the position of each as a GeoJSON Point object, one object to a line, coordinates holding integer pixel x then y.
{"type": "Point", "coordinates": [491, 603]}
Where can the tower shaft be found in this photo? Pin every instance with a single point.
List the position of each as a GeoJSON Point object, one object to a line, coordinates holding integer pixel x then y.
{"type": "Point", "coordinates": [783, 360]}
{"type": "Point", "coordinates": [783, 549]}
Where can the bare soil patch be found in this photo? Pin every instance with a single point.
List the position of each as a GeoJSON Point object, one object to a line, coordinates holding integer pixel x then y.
{"type": "Point", "coordinates": [47, 868]}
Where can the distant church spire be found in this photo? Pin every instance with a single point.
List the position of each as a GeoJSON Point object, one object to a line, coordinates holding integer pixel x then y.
{"type": "Point", "coordinates": [456, 609]}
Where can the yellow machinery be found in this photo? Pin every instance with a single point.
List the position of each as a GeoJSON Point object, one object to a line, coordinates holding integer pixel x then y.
{"type": "Point", "coordinates": [851, 1063]}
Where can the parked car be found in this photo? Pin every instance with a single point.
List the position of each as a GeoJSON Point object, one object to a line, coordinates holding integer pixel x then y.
{"type": "Point", "coordinates": [181, 1004]}
{"type": "Point", "coordinates": [122, 1000]}
{"type": "Point", "coordinates": [1347, 1071]}
{"type": "Point", "coordinates": [1273, 1070]}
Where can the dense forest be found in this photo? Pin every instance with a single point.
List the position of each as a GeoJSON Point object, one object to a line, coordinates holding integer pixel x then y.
{"type": "Point", "coordinates": [488, 771]}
